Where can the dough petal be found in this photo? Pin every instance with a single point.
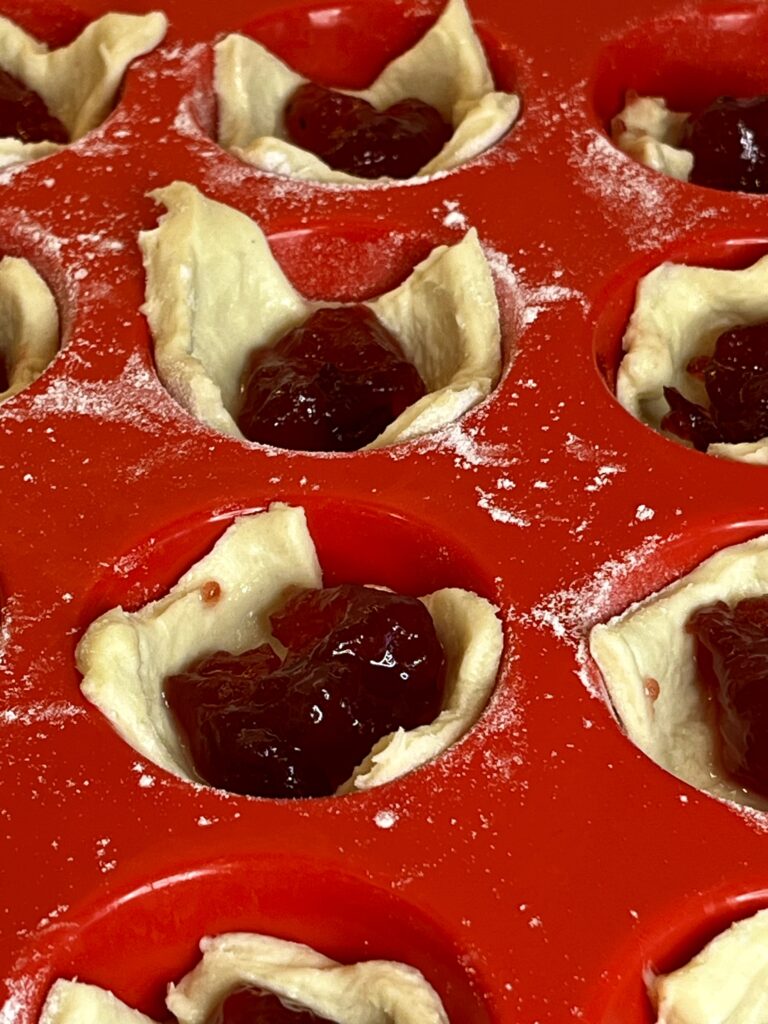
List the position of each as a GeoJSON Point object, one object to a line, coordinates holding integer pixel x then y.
{"type": "Point", "coordinates": [446, 68]}
{"type": "Point", "coordinates": [78, 82]}
{"type": "Point", "coordinates": [726, 983]}
{"type": "Point", "coordinates": [72, 1002]}
{"type": "Point", "coordinates": [29, 324]}
{"type": "Point", "coordinates": [648, 131]}
{"type": "Point", "coordinates": [372, 992]}
{"type": "Point", "coordinates": [680, 311]}
{"type": "Point", "coordinates": [470, 633]}
{"type": "Point", "coordinates": [125, 657]}
{"type": "Point", "coordinates": [446, 318]}
{"type": "Point", "coordinates": [649, 642]}
{"type": "Point", "coordinates": [215, 294]}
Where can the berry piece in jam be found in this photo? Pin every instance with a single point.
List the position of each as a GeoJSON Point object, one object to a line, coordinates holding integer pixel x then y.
{"type": "Point", "coordinates": [4, 382]}
{"type": "Point", "coordinates": [359, 664]}
{"type": "Point", "coordinates": [23, 115]}
{"type": "Point", "coordinates": [350, 135]}
{"type": "Point", "coordinates": [729, 142]}
{"type": "Point", "coordinates": [736, 381]}
{"type": "Point", "coordinates": [254, 1006]}
{"type": "Point", "coordinates": [330, 385]}
{"type": "Point", "coordinates": [732, 653]}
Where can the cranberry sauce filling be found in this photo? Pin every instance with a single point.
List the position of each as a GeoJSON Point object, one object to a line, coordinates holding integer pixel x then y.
{"type": "Point", "coordinates": [23, 115]}
{"type": "Point", "coordinates": [330, 385]}
{"type": "Point", "coordinates": [729, 142]}
{"type": "Point", "coordinates": [736, 381]}
{"type": "Point", "coordinates": [359, 664]}
{"type": "Point", "coordinates": [254, 1006]}
{"type": "Point", "coordinates": [350, 135]}
{"type": "Point", "coordinates": [732, 652]}
{"type": "Point", "coordinates": [4, 381]}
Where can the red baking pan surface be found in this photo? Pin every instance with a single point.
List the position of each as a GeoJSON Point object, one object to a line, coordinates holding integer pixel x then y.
{"type": "Point", "coordinates": [539, 869]}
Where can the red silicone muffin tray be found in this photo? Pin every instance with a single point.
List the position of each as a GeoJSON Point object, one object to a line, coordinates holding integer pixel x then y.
{"type": "Point", "coordinates": [537, 870]}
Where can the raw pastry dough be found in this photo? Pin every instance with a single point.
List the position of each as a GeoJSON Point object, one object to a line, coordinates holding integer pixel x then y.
{"type": "Point", "coordinates": [446, 69]}
{"type": "Point", "coordinates": [372, 992]}
{"type": "Point", "coordinates": [78, 82]}
{"type": "Point", "coordinates": [215, 293]}
{"type": "Point", "coordinates": [679, 313]}
{"type": "Point", "coordinates": [726, 983]}
{"type": "Point", "coordinates": [29, 324]}
{"type": "Point", "coordinates": [126, 656]}
{"type": "Point", "coordinates": [648, 131]}
{"type": "Point", "coordinates": [650, 642]}
{"type": "Point", "coordinates": [73, 1002]}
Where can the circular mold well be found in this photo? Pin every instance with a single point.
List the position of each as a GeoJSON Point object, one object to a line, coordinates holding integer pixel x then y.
{"type": "Point", "coordinates": [354, 543]}
{"type": "Point", "coordinates": [134, 943]}
{"type": "Point", "coordinates": [666, 944]}
{"type": "Point", "coordinates": [615, 303]}
{"type": "Point", "coordinates": [689, 58]}
{"type": "Point", "coordinates": [356, 260]}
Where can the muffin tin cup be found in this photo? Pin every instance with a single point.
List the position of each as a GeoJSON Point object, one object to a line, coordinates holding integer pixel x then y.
{"type": "Point", "coordinates": [541, 865]}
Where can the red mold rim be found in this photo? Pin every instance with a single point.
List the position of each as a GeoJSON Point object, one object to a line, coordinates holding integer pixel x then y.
{"type": "Point", "coordinates": [135, 942]}
{"type": "Point", "coordinates": [689, 58]}
{"type": "Point", "coordinates": [665, 944]}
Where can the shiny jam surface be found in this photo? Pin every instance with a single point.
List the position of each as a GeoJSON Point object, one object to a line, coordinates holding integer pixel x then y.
{"type": "Point", "coordinates": [736, 381]}
{"type": "Point", "coordinates": [23, 115]}
{"type": "Point", "coordinates": [254, 1006]}
{"type": "Point", "coordinates": [359, 664]}
{"type": "Point", "coordinates": [732, 654]}
{"type": "Point", "coordinates": [729, 142]}
{"type": "Point", "coordinates": [331, 384]}
{"type": "Point", "coordinates": [350, 135]}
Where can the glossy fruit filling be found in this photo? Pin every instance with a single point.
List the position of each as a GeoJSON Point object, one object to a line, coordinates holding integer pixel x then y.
{"type": "Point", "coordinates": [23, 115]}
{"type": "Point", "coordinates": [350, 135]}
{"type": "Point", "coordinates": [729, 142]}
{"type": "Point", "coordinates": [4, 382]}
{"type": "Point", "coordinates": [735, 377]}
{"type": "Point", "coordinates": [359, 663]}
{"type": "Point", "coordinates": [254, 1006]}
{"type": "Point", "coordinates": [333, 384]}
{"type": "Point", "coordinates": [732, 654]}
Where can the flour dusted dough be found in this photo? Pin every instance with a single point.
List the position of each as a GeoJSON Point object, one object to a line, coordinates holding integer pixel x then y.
{"type": "Point", "coordinates": [648, 131]}
{"type": "Point", "coordinates": [29, 324]}
{"type": "Point", "coordinates": [650, 642]}
{"type": "Point", "coordinates": [215, 294]}
{"type": "Point", "coordinates": [446, 69]}
{"type": "Point", "coordinates": [372, 992]}
{"type": "Point", "coordinates": [679, 313]}
{"type": "Point", "coordinates": [77, 82]}
{"type": "Point", "coordinates": [726, 983]}
{"type": "Point", "coordinates": [126, 656]}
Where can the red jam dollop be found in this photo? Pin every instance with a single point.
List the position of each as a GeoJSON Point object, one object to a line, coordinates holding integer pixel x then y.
{"type": "Point", "coordinates": [736, 382]}
{"type": "Point", "coordinates": [732, 653]}
{"type": "Point", "coordinates": [23, 115]}
{"type": "Point", "coordinates": [254, 1006]}
{"type": "Point", "coordinates": [359, 664]}
{"type": "Point", "coordinates": [350, 135]}
{"type": "Point", "coordinates": [729, 142]}
{"type": "Point", "coordinates": [330, 385]}
{"type": "Point", "coordinates": [4, 381]}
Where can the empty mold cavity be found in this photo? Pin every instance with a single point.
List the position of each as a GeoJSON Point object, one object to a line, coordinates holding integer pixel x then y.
{"type": "Point", "coordinates": [348, 46]}
{"type": "Point", "coordinates": [136, 943]}
{"type": "Point", "coordinates": [249, 291]}
{"type": "Point", "coordinates": [660, 690]}
{"type": "Point", "coordinates": [667, 943]}
{"type": "Point", "coordinates": [224, 601]}
{"type": "Point", "coordinates": [687, 59]}
{"type": "Point", "coordinates": [699, 308]}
